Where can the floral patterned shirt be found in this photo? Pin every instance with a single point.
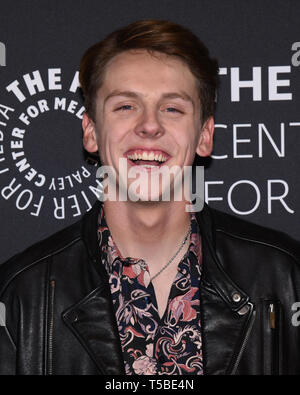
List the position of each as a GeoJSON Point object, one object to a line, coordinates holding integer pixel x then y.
{"type": "Point", "coordinates": [150, 344]}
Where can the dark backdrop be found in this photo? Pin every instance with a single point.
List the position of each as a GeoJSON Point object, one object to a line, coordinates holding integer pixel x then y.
{"type": "Point", "coordinates": [45, 182]}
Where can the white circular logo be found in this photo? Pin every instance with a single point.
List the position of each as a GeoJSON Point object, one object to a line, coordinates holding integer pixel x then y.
{"type": "Point", "coordinates": [42, 163]}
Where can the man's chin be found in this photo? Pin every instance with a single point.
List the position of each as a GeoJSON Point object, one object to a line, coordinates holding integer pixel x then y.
{"type": "Point", "coordinates": [147, 195]}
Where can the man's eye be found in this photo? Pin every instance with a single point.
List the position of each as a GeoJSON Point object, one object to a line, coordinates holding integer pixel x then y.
{"type": "Point", "coordinates": [172, 109]}
{"type": "Point", "coordinates": [126, 107]}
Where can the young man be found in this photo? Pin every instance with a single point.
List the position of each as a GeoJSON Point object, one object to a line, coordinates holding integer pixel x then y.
{"type": "Point", "coordinates": [143, 286]}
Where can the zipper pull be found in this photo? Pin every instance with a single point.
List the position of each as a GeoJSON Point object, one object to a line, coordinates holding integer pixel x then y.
{"type": "Point", "coordinates": [272, 316]}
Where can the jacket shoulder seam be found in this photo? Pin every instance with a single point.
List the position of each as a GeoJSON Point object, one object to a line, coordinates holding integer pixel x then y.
{"type": "Point", "coordinates": [252, 240]}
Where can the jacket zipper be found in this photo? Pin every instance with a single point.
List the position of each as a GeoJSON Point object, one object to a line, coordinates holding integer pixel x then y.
{"type": "Point", "coordinates": [271, 338]}
{"type": "Point", "coordinates": [51, 326]}
{"type": "Point", "coordinates": [273, 328]}
{"type": "Point", "coordinates": [245, 340]}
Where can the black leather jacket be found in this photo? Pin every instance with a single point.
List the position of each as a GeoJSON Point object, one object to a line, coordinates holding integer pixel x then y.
{"type": "Point", "coordinates": [60, 318]}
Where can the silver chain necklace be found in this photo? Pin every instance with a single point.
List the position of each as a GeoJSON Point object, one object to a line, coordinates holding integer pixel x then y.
{"type": "Point", "coordinates": [174, 256]}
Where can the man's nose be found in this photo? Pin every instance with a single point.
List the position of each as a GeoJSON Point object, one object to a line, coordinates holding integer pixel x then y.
{"type": "Point", "coordinates": [149, 124]}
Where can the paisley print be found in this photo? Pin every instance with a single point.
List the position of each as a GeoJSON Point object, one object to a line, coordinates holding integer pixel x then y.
{"type": "Point", "coordinates": [152, 345]}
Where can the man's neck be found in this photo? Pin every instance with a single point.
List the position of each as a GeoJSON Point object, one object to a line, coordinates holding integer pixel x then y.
{"type": "Point", "coordinates": [152, 232]}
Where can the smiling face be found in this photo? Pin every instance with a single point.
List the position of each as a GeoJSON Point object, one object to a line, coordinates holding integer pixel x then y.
{"type": "Point", "coordinates": [147, 111]}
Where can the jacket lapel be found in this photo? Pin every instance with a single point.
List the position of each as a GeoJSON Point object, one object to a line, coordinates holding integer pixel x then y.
{"type": "Point", "coordinates": [226, 312]}
{"type": "Point", "coordinates": [224, 333]}
{"type": "Point", "coordinates": [93, 322]}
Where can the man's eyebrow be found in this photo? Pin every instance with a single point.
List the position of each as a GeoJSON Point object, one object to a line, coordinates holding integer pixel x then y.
{"type": "Point", "coordinates": [179, 95]}
{"type": "Point", "coordinates": [120, 93]}
{"type": "Point", "coordinates": [170, 95]}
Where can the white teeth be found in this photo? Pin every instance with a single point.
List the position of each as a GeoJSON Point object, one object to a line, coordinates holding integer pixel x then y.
{"type": "Point", "coordinates": [147, 156]}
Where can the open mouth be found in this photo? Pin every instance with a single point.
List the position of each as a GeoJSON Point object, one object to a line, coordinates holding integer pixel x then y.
{"type": "Point", "coordinates": [148, 159]}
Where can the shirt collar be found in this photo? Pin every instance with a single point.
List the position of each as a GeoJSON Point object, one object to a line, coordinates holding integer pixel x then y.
{"type": "Point", "coordinates": [111, 253]}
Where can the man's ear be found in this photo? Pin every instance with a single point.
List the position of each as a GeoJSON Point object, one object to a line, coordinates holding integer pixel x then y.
{"type": "Point", "coordinates": [89, 134]}
{"type": "Point", "coordinates": [205, 143]}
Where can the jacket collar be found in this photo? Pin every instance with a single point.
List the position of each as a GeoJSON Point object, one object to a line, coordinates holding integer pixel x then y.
{"type": "Point", "coordinates": [213, 270]}
{"type": "Point", "coordinates": [93, 320]}
{"type": "Point", "coordinates": [89, 226]}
